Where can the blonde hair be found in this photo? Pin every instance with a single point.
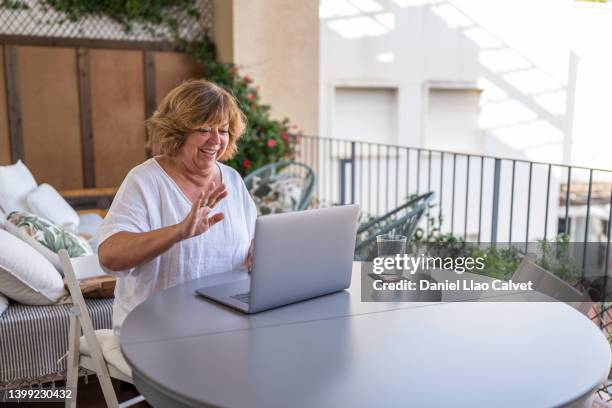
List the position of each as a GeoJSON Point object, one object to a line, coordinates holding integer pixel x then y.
{"type": "Point", "coordinates": [189, 105]}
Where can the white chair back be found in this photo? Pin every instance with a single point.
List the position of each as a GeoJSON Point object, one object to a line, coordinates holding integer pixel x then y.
{"type": "Point", "coordinates": [545, 282]}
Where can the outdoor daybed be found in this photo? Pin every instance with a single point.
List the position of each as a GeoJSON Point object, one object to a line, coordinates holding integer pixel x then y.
{"type": "Point", "coordinates": [34, 339]}
{"type": "Point", "coordinates": [34, 223]}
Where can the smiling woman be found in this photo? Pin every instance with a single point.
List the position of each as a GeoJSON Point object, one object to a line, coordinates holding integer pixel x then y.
{"type": "Point", "coordinates": [182, 214]}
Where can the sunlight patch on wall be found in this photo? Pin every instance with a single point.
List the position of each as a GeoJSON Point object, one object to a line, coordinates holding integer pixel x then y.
{"type": "Point", "coordinates": [505, 113]}
{"type": "Point", "coordinates": [386, 57]}
{"type": "Point", "coordinates": [452, 16]}
{"type": "Point", "coordinates": [503, 60]}
{"type": "Point", "coordinates": [532, 81]}
{"type": "Point", "coordinates": [481, 37]}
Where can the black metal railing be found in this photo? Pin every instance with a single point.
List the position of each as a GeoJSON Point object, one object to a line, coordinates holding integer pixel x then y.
{"type": "Point", "coordinates": [479, 198]}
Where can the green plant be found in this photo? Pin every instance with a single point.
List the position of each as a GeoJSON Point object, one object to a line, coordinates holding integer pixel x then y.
{"type": "Point", "coordinates": [556, 259]}
{"type": "Point", "coordinates": [127, 12]}
{"type": "Point", "coordinates": [501, 261]}
{"type": "Point", "coordinates": [13, 5]}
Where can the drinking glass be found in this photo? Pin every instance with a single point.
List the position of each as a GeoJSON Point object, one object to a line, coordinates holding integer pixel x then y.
{"type": "Point", "coordinates": [390, 245]}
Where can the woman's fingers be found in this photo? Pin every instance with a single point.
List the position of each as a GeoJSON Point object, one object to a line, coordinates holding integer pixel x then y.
{"type": "Point", "coordinates": [217, 195]}
{"type": "Point", "coordinates": [215, 219]}
{"type": "Point", "coordinates": [207, 192]}
{"type": "Point", "coordinates": [197, 203]}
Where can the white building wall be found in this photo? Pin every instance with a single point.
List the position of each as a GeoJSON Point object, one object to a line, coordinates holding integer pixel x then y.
{"type": "Point", "coordinates": [530, 60]}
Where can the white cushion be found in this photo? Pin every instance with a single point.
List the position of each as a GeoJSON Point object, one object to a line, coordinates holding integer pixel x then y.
{"type": "Point", "coordinates": [46, 237]}
{"type": "Point", "coordinates": [109, 343]}
{"type": "Point", "coordinates": [16, 182]}
{"type": "Point", "coordinates": [3, 304]}
{"type": "Point", "coordinates": [88, 228]}
{"type": "Point", "coordinates": [37, 246]}
{"type": "Point", "coordinates": [2, 218]}
{"type": "Point", "coordinates": [48, 203]}
{"type": "Point", "coordinates": [25, 275]}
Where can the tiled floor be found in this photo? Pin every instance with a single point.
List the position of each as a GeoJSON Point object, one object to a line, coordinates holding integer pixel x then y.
{"type": "Point", "coordinates": [89, 396]}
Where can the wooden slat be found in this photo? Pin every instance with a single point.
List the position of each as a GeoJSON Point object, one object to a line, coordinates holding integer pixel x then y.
{"type": "Point", "coordinates": [149, 87]}
{"type": "Point", "coordinates": [89, 192]}
{"type": "Point", "coordinates": [100, 198]}
{"type": "Point", "coordinates": [14, 103]}
{"type": "Point", "coordinates": [149, 80]}
{"type": "Point", "coordinates": [87, 148]}
{"type": "Point", "coordinates": [87, 43]}
{"type": "Point", "coordinates": [172, 68]}
{"type": "Point", "coordinates": [50, 112]}
{"type": "Point", "coordinates": [5, 144]}
{"type": "Point", "coordinates": [118, 111]}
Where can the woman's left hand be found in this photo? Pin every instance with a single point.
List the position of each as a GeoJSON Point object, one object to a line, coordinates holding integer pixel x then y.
{"type": "Point", "coordinates": [198, 220]}
{"type": "Point", "coordinates": [250, 257]}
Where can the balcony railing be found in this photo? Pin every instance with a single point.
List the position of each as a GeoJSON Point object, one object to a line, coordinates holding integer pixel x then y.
{"type": "Point", "coordinates": [478, 198]}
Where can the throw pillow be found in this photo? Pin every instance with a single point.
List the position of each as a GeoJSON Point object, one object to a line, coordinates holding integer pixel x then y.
{"type": "Point", "coordinates": [46, 237]}
{"type": "Point", "coordinates": [16, 182]}
{"type": "Point", "coordinates": [276, 195]}
{"type": "Point", "coordinates": [25, 275]}
{"type": "Point", "coordinates": [46, 202]}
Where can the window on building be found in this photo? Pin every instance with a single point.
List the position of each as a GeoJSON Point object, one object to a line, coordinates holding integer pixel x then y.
{"type": "Point", "coordinates": [365, 114]}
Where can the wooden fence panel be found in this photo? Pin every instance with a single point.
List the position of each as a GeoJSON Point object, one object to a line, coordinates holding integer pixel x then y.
{"type": "Point", "coordinates": [79, 112]}
{"type": "Point", "coordinates": [5, 147]}
{"type": "Point", "coordinates": [118, 113]}
{"type": "Point", "coordinates": [49, 102]}
{"type": "Point", "coordinates": [171, 68]}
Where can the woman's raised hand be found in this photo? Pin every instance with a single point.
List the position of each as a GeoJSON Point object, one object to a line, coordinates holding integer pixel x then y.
{"type": "Point", "coordinates": [198, 221]}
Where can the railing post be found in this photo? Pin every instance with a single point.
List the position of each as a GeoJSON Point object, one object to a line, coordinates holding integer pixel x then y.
{"type": "Point", "coordinates": [342, 182]}
{"type": "Point", "coordinates": [495, 210]}
{"type": "Point", "coordinates": [343, 162]}
{"type": "Point", "coordinates": [352, 161]}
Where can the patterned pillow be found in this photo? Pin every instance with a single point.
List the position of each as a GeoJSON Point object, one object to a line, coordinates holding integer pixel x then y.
{"type": "Point", "coordinates": [50, 238]}
{"type": "Point", "coordinates": [276, 195]}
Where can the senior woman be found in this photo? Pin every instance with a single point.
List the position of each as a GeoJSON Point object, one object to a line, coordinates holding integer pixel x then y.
{"type": "Point", "coordinates": [183, 214]}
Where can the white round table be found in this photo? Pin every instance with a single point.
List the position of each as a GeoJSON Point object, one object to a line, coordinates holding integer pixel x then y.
{"type": "Point", "coordinates": [335, 350]}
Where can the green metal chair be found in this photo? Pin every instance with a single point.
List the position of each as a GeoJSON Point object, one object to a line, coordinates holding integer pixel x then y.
{"type": "Point", "coordinates": [404, 220]}
{"type": "Point", "coordinates": [281, 187]}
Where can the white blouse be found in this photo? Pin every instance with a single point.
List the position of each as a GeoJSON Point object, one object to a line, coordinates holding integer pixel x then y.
{"type": "Point", "coordinates": [149, 199]}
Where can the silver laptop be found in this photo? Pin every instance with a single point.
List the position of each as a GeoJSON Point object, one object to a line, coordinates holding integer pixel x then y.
{"type": "Point", "coordinates": [297, 256]}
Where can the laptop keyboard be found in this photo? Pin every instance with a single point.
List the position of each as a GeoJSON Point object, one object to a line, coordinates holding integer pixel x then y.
{"type": "Point", "coordinates": [242, 297]}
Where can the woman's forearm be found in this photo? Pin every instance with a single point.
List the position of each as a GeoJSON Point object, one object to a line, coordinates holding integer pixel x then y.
{"type": "Point", "coordinates": [125, 250]}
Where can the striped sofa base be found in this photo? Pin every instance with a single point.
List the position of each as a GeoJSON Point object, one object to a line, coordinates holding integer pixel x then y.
{"type": "Point", "coordinates": [33, 340]}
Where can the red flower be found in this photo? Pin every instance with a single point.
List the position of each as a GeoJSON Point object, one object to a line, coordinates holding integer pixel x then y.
{"type": "Point", "coordinates": [271, 143]}
{"type": "Point", "coordinates": [285, 136]}
{"type": "Point", "coordinates": [250, 96]}
{"type": "Point", "coordinates": [247, 79]}
{"type": "Point", "coordinates": [233, 70]}
{"type": "Point", "coordinates": [246, 163]}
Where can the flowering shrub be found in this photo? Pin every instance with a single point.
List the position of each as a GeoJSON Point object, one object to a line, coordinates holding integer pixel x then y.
{"type": "Point", "coordinates": [265, 140]}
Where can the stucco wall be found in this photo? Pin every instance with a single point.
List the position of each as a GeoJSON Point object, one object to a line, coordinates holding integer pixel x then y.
{"type": "Point", "coordinates": [276, 42]}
